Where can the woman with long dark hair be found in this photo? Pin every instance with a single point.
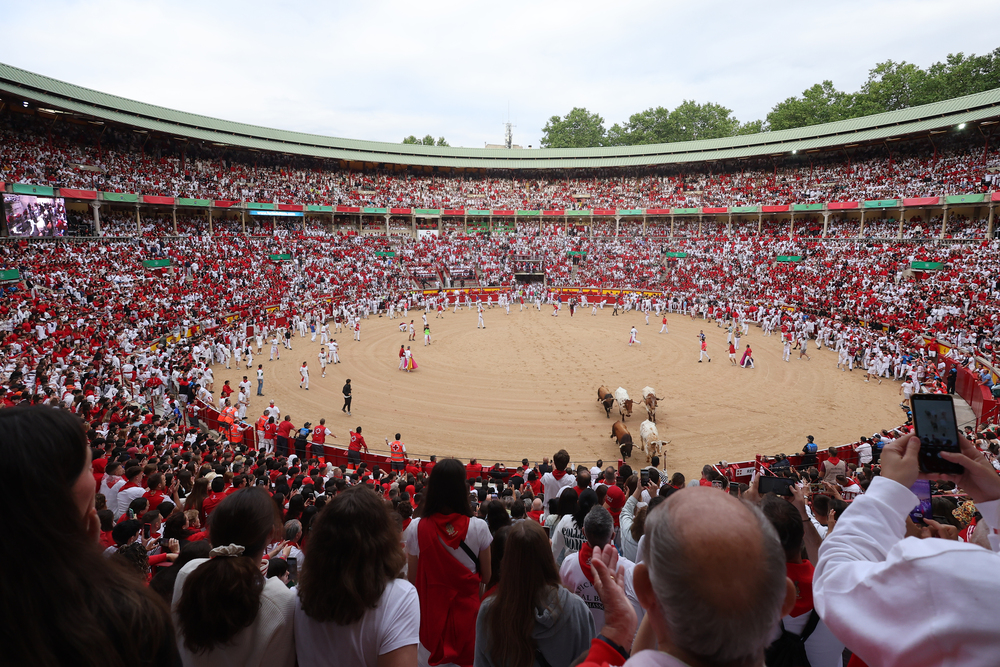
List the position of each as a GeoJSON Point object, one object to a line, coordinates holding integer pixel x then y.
{"type": "Point", "coordinates": [531, 619]}
{"type": "Point", "coordinates": [448, 560]}
{"type": "Point", "coordinates": [68, 604]}
{"type": "Point", "coordinates": [196, 498]}
{"type": "Point", "coordinates": [225, 611]}
{"type": "Point", "coordinates": [351, 609]}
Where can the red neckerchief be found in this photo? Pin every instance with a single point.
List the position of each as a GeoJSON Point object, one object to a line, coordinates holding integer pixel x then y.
{"type": "Point", "coordinates": [558, 474]}
{"type": "Point", "coordinates": [586, 551]}
{"type": "Point", "coordinates": [452, 528]}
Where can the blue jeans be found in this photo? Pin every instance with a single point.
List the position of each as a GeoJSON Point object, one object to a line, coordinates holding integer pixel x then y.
{"type": "Point", "coordinates": [260, 387]}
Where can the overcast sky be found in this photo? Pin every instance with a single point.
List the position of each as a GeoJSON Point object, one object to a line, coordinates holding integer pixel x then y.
{"type": "Point", "coordinates": [384, 69]}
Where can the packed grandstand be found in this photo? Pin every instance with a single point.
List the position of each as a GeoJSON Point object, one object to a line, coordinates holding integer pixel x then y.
{"type": "Point", "coordinates": [179, 252]}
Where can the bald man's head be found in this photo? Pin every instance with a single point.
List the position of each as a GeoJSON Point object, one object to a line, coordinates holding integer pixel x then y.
{"type": "Point", "coordinates": [717, 571]}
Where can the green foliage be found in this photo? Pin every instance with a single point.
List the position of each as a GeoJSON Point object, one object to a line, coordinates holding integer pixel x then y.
{"type": "Point", "coordinates": [692, 121]}
{"type": "Point", "coordinates": [820, 104]}
{"type": "Point", "coordinates": [890, 86]}
{"type": "Point", "coordinates": [577, 129]}
{"type": "Point", "coordinates": [426, 141]}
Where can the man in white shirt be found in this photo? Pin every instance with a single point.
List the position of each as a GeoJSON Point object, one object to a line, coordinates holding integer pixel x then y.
{"type": "Point", "coordinates": [864, 450]}
{"type": "Point", "coordinates": [130, 490]}
{"type": "Point", "coordinates": [575, 572]}
{"type": "Point", "coordinates": [874, 587]}
{"type": "Point", "coordinates": [554, 482]}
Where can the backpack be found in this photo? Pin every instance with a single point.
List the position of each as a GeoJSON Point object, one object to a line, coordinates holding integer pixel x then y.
{"type": "Point", "coordinates": [789, 650]}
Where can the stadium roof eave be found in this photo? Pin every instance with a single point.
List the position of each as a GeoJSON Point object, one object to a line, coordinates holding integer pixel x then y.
{"type": "Point", "coordinates": [65, 96]}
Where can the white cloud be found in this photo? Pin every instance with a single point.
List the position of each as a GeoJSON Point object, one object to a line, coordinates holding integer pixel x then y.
{"type": "Point", "coordinates": [382, 70]}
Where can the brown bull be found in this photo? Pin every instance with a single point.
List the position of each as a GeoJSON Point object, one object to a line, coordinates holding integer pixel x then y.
{"type": "Point", "coordinates": [650, 402]}
{"type": "Point", "coordinates": [606, 398]}
{"type": "Point", "coordinates": [624, 439]}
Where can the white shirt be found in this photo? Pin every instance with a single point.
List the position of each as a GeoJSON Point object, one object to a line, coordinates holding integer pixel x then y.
{"type": "Point", "coordinates": [392, 624]}
{"type": "Point", "coordinates": [907, 601]}
{"type": "Point", "coordinates": [573, 578]}
{"type": "Point", "coordinates": [268, 641]}
{"type": "Point", "coordinates": [553, 487]}
{"type": "Point", "coordinates": [125, 498]}
{"type": "Point", "coordinates": [477, 538]}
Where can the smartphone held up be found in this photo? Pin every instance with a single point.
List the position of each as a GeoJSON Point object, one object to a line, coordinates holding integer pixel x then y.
{"type": "Point", "coordinates": [935, 424]}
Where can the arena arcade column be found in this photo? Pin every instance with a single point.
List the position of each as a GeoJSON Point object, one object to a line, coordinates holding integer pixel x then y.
{"type": "Point", "coordinates": [97, 217]}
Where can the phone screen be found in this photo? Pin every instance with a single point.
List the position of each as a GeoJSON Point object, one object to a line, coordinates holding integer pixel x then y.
{"type": "Point", "coordinates": [643, 477]}
{"type": "Point", "coordinates": [781, 486]}
{"type": "Point", "coordinates": [935, 424]}
{"type": "Point", "coordinates": [293, 568]}
{"type": "Point", "coordinates": [922, 489]}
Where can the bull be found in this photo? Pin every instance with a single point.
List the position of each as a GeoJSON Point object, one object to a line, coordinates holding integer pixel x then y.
{"type": "Point", "coordinates": [649, 401]}
{"type": "Point", "coordinates": [624, 439]}
{"type": "Point", "coordinates": [650, 438]}
{"type": "Point", "coordinates": [624, 403]}
{"type": "Point", "coordinates": [606, 398]}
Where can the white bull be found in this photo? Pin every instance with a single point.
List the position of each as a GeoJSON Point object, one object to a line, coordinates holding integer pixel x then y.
{"type": "Point", "coordinates": [650, 437]}
{"type": "Point", "coordinates": [649, 401]}
{"type": "Point", "coordinates": [624, 402]}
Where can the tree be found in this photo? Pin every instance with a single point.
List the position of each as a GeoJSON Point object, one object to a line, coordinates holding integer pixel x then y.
{"type": "Point", "coordinates": [822, 103]}
{"type": "Point", "coordinates": [752, 127]}
{"type": "Point", "coordinates": [426, 141]}
{"type": "Point", "coordinates": [960, 75]}
{"type": "Point", "coordinates": [577, 129]}
{"type": "Point", "coordinates": [652, 126]}
{"type": "Point", "coordinates": [890, 86]}
{"type": "Point", "coordinates": [691, 121]}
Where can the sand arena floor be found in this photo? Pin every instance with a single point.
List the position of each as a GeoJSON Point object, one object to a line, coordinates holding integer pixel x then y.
{"type": "Point", "coordinates": [526, 386]}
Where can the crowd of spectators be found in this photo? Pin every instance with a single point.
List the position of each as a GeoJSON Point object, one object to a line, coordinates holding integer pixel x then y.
{"type": "Point", "coordinates": [163, 542]}
{"type": "Point", "coordinates": [179, 547]}
{"type": "Point", "coordinates": [105, 158]}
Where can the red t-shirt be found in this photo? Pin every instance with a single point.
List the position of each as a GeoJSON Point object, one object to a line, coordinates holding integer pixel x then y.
{"type": "Point", "coordinates": [284, 428]}
{"type": "Point", "coordinates": [154, 498]}
{"type": "Point", "coordinates": [210, 503]}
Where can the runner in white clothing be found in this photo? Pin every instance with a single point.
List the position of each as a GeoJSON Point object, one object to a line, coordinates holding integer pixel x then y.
{"type": "Point", "coordinates": [322, 362]}
{"type": "Point", "coordinates": [304, 373]}
{"type": "Point", "coordinates": [632, 337]}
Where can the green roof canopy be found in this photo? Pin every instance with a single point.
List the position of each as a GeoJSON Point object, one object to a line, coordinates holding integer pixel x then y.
{"type": "Point", "coordinates": [90, 103]}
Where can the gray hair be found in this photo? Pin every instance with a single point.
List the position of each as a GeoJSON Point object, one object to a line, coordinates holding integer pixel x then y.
{"type": "Point", "coordinates": [598, 526]}
{"type": "Point", "coordinates": [719, 634]}
{"type": "Point", "coordinates": [293, 528]}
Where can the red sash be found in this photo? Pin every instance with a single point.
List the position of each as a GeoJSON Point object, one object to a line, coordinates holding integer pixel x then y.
{"type": "Point", "coordinates": [449, 593]}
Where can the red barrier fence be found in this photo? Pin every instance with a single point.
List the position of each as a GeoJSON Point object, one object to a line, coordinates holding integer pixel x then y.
{"type": "Point", "coordinates": [977, 395]}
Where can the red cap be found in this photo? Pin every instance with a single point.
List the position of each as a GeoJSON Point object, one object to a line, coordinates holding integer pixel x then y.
{"type": "Point", "coordinates": [615, 499]}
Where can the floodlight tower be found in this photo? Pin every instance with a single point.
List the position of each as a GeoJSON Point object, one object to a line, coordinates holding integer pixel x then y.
{"type": "Point", "coordinates": [508, 140]}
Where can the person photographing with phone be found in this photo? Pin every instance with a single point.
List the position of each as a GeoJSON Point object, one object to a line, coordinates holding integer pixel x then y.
{"type": "Point", "coordinates": [876, 589]}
